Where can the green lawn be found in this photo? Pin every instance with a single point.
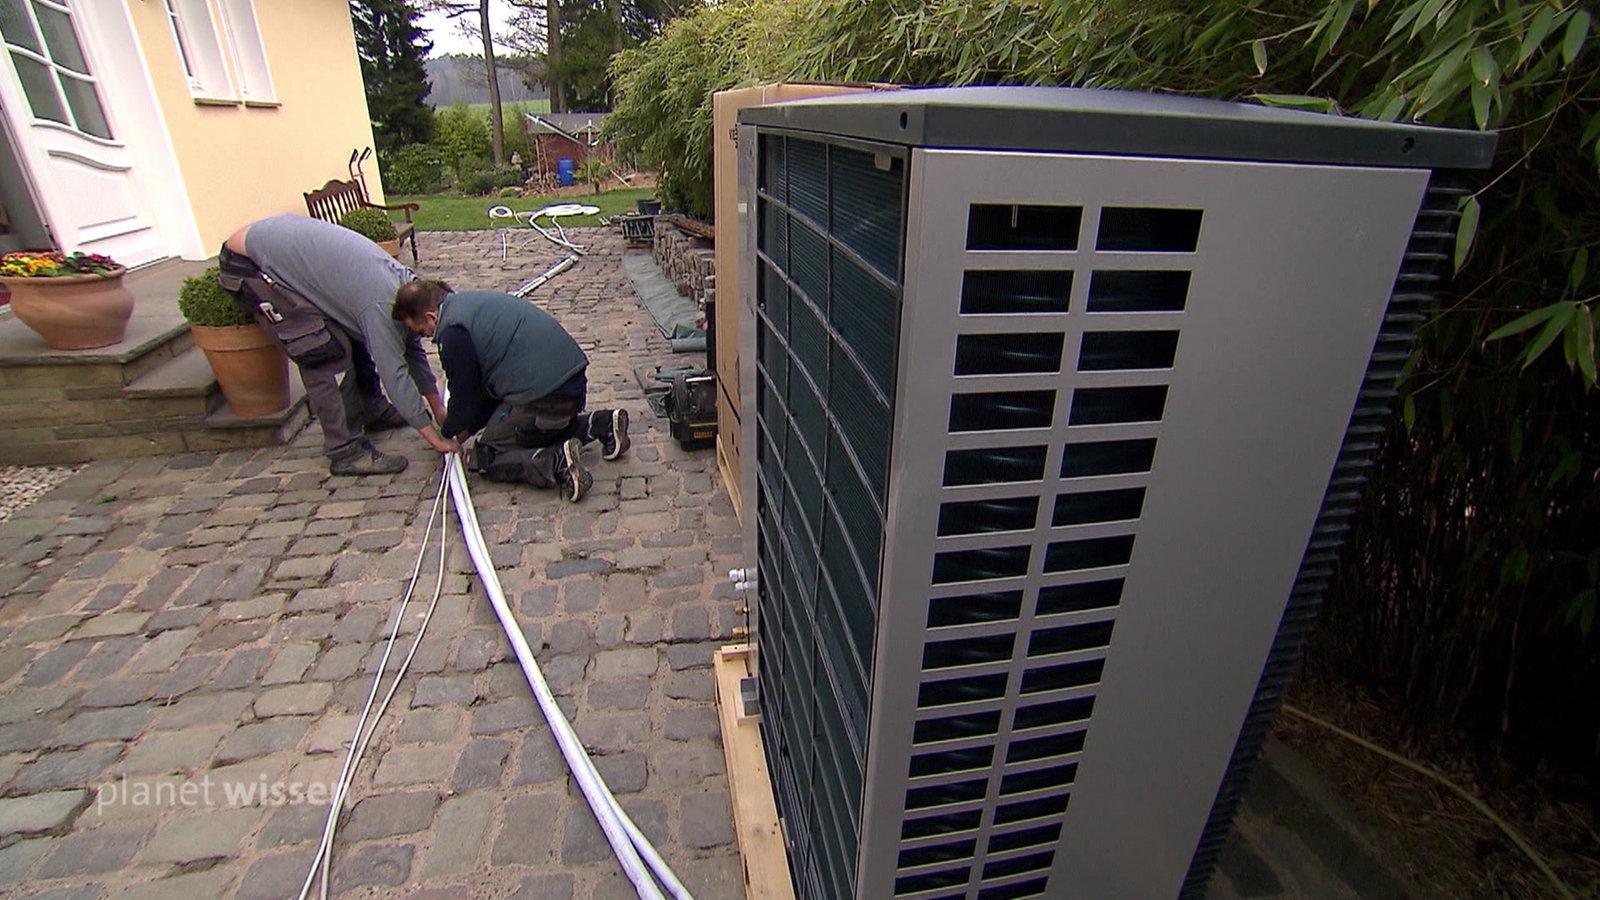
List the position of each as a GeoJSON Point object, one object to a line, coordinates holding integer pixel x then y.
{"type": "Point", "coordinates": [509, 110]}
{"type": "Point", "coordinates": [441, 212]}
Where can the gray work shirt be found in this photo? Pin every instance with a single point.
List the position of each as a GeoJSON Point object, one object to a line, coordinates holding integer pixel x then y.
{"type": "Point", "coordinates": [354, 281]}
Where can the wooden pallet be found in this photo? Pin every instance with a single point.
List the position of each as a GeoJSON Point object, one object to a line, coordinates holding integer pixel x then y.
{"type": "Point", "coordinates": [755, 814]}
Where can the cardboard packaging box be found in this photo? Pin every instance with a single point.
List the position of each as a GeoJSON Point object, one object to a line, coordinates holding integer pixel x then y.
{"type": "Point", "coordinates": [725, 106]}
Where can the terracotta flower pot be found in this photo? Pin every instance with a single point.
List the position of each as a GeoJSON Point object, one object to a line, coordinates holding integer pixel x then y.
{"type": "Point", "coordinates": [73, 312]}
{"type": "Point", "coordinates": [390, 247]}
{"type": "Point", "coordinates": [250, 368]}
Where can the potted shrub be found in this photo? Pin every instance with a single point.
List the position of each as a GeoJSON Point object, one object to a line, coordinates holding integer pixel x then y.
{"type": "Point", "coordinates": [74, 302]}
{"type": "Point", "coordinates": [375, 224]}
{"type": "Point", "coordinates": [250, 368]}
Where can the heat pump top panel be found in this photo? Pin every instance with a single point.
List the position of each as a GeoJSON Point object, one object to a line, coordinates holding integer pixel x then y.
{"type": "Point", "coordinates": [1084, 120]}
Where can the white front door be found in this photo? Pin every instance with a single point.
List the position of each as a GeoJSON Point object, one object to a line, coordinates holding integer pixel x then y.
{"type": "Point", "coordinates": [67, 138]}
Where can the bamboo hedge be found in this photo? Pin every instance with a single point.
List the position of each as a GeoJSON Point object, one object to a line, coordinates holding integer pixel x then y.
{"type": "Point", "coordinates": [1469, 583]}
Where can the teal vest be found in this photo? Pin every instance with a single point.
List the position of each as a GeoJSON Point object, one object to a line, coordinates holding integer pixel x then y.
{"type": "Point", "coordinates": [523, 352]}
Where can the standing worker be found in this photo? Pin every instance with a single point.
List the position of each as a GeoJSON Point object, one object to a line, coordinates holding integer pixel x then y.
{"type": "Point", "coordinates": [517, 375]}
{"type": "Point", "coordinates": [324, 292]}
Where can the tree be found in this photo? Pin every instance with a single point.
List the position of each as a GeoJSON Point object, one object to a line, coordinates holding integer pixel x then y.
{"type": "Point", "coordinates": [590, 36]}
{"type": "Point", "coordinates": [391, 49]}
{"type": "Point", "coordinates": [558, 94]}
{"type": "Point", "coordinates": [570, 44]}
{"type": "Point", "coordinates": [536, 37]}
{"type": "Point", "coordinates": [662, 118]}
{"type": "Point", "coordinates": [457, 10]}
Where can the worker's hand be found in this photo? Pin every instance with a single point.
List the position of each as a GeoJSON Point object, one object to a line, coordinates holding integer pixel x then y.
{"type": "Point", "coordinates": [438, 408]}
{"type": "Point", "coordinates": [438, 441]}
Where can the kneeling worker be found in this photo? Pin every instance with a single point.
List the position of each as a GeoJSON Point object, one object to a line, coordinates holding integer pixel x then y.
{"type": "Point", "coordinates": [324, 292]}
{"type": "Point", "coordinates": [517, 375]}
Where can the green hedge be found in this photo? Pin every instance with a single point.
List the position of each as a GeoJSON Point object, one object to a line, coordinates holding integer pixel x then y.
{"type": "Point", "coordinates": [480, 182]}
{"type": "Point", "coordinates": [415, 169]}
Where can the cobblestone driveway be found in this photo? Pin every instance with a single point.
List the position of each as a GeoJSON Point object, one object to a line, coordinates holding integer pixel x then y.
{"type": "Point", "coordinates": [185, 642]}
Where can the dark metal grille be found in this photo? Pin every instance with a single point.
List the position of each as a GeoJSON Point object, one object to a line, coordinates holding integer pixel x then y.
{"type": "Point", "coordinates": [829, 246]}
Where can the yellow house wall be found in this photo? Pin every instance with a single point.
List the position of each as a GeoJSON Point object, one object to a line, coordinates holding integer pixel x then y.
{"type": "Point", "coordinates": [244, 162]}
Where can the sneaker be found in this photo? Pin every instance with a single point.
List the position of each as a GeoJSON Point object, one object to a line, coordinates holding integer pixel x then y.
{"type": "Point", "coordinates": [614, 443]}
{"type": "Point", "coordinates": [369, 462]}
{"type": "Point", "coordinates": [574, 479]}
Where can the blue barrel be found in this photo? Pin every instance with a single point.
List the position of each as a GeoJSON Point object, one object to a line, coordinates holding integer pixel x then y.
{"type": "Point", "coordinates": [564, 171]}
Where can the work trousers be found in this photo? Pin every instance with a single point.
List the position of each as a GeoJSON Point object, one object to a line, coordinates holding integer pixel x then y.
{"type": "Point", "coordinates": [520, 442]}
{"type": "Point", "coordinates": [342, 389]}
{"type": "Point", "coordinates": [344, 394]}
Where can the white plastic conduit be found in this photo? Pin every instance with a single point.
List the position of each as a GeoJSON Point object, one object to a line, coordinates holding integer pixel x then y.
{"type": "Point", "coordinates": [555, 213]}
{"type": "Point", "coordinates": [638, 857]}
{"type": "Point", "coordinates": [640, 861]}
{"type": "Point", "coordinates": [367, 722]}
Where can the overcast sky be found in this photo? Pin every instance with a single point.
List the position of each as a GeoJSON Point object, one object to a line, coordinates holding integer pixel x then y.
{"type": "Point", "coordinates": [446, 37]}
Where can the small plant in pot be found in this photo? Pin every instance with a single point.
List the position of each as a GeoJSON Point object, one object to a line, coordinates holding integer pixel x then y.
{"type": "Point", "coordinates": [375, 224]}
{"type": "Point", "coordinates": [250, 367]}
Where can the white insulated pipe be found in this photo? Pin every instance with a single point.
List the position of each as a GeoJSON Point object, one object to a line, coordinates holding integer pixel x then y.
{"type": "Point", "coordinates": [634, 851]}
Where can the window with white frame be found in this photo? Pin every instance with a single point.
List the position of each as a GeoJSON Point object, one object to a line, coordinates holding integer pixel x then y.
{"type": "Point", "coordinates": [249, 55]}
{"type": "Point", "coordinates": [207, 47]}
{"type": "Point", "coordinates": [199, 49]}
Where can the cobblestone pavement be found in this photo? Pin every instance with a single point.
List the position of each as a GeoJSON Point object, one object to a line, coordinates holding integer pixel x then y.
{"type": "Point", "coordinates": [177, 632]}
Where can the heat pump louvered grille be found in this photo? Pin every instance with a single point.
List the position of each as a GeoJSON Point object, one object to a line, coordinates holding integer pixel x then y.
{"type": "Point", "coordinates": [1039, 674]}
{"type": "Point", "coordinates": [827, 324]}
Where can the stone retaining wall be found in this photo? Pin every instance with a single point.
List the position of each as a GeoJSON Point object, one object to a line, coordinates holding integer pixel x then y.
{"type": "Point", "coordinates": [689, 262]}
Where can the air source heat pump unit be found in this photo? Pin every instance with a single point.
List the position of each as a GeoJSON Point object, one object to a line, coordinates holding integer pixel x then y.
{"type": "Point", "coordinates": [1057, 403]}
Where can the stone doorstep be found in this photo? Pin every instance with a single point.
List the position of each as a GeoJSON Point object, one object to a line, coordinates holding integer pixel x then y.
{"type": "Point", "coordinates": [156, 332]}
{"type": "Point", "coordinates": [218, 430]}
{"type": "Point", "coordinates": [149, 332]}
{"type": "Point", "coordinates": [180, 389]}
{"type": "Point", "coordinates": [221, 430]}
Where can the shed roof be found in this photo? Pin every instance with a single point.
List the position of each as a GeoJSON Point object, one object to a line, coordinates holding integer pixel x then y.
{"type": "Point", "coordinates": [581, 127]}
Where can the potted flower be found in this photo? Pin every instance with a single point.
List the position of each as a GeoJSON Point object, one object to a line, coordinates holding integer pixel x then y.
{"type": "Point", "coordinates": [250, 367]}
{"type": "Point", "coordinates": [74, 302]}
{"type": "Point", "coordinates": [375, 224]}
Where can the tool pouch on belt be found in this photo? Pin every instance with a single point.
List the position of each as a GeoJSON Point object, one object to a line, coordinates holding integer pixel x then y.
{"type": "Point", "coordinates": [296, 322]}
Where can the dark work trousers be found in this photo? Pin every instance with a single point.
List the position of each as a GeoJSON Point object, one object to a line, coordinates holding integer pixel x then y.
{"type": "Point", "coordinates": [344, 393]}
{"type": "Point", "coordinates": [333, 391]}
{"type": "Point", "coordinates": [520, 442]}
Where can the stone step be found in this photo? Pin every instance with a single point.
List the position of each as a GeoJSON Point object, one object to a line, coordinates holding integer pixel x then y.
{"type": "Point", "coordinates": [217, 431]}
{"type": "Point", "coordinates": [293, 417]}
{"type": "Point", "coordinates": [151, 394]}
{"type": "Point", "coordinates": [181, 386]}
{"type": "Point", "coordinates": [184, 376]}
{"type": "Point", "coordinates": [189, 377]}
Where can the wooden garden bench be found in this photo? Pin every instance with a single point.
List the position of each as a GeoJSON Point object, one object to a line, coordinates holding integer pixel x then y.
{"type": "Point", "coordinates": [336, 198]}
